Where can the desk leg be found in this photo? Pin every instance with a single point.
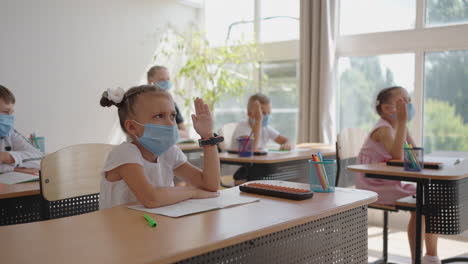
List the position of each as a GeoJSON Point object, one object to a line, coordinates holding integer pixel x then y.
{"type": "Point", "coordinates": [419, 205]}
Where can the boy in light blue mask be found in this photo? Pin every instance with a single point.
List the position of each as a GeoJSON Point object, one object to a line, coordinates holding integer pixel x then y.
{"type": "Point", "coordinates": [16, 153]}
{"type": "Point", "coordinates": [258, 126]}
{"type": "Point", "coordinates": [159, 75]}
{"type": "Point", "coordinates": [143, 169]}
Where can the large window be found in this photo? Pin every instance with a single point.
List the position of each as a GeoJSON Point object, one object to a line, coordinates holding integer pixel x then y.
{"type": "Point", "coordinates": [279, 20]}
{"type": "Point", "coordinates": [445, 12]}
{"type": "Point", "coordinates": [367, 16]}
{"type": "Point", "coordinates": [424, 49]}
{"type": "Point", "coordinates": [446, 100]}
{"type": "Point", "coordinates": [361, 78]}
{"type": "Point", "coordinates": [274, 24]}
{"type": "Point", "coordinates": [281, 85]}
{"type": "Point", "coordinates": [227, 19]}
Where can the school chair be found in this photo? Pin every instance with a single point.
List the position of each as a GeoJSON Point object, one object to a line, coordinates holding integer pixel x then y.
{"type": "Point", "coordinates": [70, 180]}
{"type": "Point", "coordinates": [348, 145]}
{"type": "Point", "coordinates": [226, 131]}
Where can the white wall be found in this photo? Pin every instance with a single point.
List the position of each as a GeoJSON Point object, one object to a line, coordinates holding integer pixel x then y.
{"type": "Point", "coordinates": [59, 56]}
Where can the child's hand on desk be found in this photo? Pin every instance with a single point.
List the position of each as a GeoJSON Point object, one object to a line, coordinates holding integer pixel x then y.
{"type": "Point", "coordinates": [202, 120]}
{"type": "Point", "coordinates": [26, 170]}
{"type": "Point", "coordinates": [286, 146]}
{"type": "Point", "coordinates": [6, 158]}
{"type": "Point", "coordinates": [201, 194]}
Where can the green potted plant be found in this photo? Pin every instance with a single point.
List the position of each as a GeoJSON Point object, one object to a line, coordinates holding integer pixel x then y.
{"type": "Point", "coordinates": [205, 71]}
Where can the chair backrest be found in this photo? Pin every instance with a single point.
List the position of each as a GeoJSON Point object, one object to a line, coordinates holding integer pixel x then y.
{"type": "Point", "coordinates": [226, 131]}
{"type": "Point", "coordinates": [73, 171]}
{"type": "Point", "coordinates": [348, 144]}
{"type": "Point", "coordinates": [350, 141]}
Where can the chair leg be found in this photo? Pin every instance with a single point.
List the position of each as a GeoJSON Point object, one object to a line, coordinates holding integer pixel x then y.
{"type": "Point", "coordinates": [385, 237]}
{"type": "Point", "coordinates": [384, 258]}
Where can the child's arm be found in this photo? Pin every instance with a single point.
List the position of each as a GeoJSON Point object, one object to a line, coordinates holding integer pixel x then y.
{"type": "Point", "coordinates": [149, 196]}
{"type": "Point", "coordinates": [409, 139]}
{"type": "Point", "coordinates": [394, 145]}
{"type": "Point", "coordinates": [23, 154]}
{"type": "Point", "coordinates": [257, 127]}
{"type": "Point", "coordinates": [209, 178]}
{"type": "Point", "coordinates": [284, 142]}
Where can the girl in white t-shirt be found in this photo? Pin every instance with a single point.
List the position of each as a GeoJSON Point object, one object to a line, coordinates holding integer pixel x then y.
{"type": "Point", "coordinates": [143, 169]}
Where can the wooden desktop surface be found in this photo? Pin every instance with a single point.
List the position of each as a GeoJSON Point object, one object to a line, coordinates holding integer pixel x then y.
{"type": "Point", "coordinates": [189, 146]}
{"type": "Point", "coordinates": [447, 173]}
{"type": "Point", "coordinates": [19, 190]}
{"type": "Point", "coordinates": [121, 235]}
{"type": "Point", "coordinates": [275, 157]}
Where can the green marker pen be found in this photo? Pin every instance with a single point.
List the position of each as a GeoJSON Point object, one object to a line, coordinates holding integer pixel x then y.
{"type": "Point", "coordinates": [279, 150]}
{"type": "Point", "coordinates": [150, 220]}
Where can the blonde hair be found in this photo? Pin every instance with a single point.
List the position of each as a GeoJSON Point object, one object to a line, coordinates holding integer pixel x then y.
{"type": "Point", "coordinates": [153, 70]}
{"type": "Point", "coordinates": [384, 97]}
{"type": "Point", "coordinates": [261, 98]}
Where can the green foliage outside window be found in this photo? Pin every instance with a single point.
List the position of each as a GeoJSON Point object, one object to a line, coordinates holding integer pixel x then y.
{"type": "Point", "coordinates": [212, 72]}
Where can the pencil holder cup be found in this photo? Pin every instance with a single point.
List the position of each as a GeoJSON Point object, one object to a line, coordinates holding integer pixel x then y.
{"type": "Point", "coordinates": [38, 142]}
{"type": "Point", "coordinates": [413, 159]}
{"type": "Point", "coordinates": [322, 175]}
{"type": "Point", "coordinates": [245, 145]}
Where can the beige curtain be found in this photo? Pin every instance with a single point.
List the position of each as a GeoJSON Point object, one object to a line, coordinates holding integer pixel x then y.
{"type": "Point", "coordinates": [317, 46]}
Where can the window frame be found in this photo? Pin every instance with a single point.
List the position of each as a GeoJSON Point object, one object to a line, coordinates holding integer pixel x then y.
{"type": "Point", "coordinates": [278, 51]}
{"type": "Point", "coordinates": [419, 40]}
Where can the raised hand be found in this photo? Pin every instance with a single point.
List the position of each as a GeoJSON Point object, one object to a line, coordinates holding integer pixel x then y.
{"type": "Point", "coordinates": [401, 114]}
{"type": "Point", "coordinates": [202, 119]}
{"type": "Point", "coordinates": [257, 114]}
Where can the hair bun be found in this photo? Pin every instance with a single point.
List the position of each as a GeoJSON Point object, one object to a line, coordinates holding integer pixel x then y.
{"type": "Point", "coordinates": [105, 101]}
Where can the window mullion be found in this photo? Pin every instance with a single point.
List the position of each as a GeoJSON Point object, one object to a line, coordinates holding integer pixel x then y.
{"type": "Point", "coordinates": [257, 29]}
{"type": "Point", "coordinates": [418, 123]}
{"type": "Point", "coordinates": [257, 20]}
{"type": "Point", "coordinates": [420, 14]}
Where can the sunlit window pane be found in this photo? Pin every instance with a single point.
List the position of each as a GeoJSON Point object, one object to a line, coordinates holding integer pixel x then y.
{"type": "Point", "coordinates": [446, 101]}
{"type": "Point", "coordinates": [367, 16]}
{"type": "Point", "coordinates": [360, 80]}
{"type": "Point", "coordinates": [280, 20]}
{"type": "Point", "coordinates": [281, 86]}
{"type": "Point", "coordinates": [443, 12]}
{"type": "Point", "coordinates": [227, 19]}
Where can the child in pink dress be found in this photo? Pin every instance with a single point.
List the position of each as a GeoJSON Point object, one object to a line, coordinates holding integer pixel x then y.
{"type": "Point", "coordinates": [385, 142]}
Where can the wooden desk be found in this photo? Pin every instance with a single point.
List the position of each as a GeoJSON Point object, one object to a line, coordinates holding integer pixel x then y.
{"type": "Point", "coordinates": [189, 147]}
{"type": "Point", "coordinates": [291, 166]}
{"type": "Point", "coordinates": [20, 203]}
{"type": "Point", "coordinates": [329, 227]}
{"type": "Point", "coordinates": [19, 190]}
{"type": "Point", "coordinates": [440, 195]}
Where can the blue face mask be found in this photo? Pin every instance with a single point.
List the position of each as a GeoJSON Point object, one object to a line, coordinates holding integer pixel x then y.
{"type": "Point", "coordinates": [410, 111]}
{"type": "Point", "coordinates": [165, 85]}
{"type": "Point", "coordinates": [265, 121]}
{"type": "Point", "coordinates": [6, 124]}
{"type": "Point", "coordinates": [158, 138]}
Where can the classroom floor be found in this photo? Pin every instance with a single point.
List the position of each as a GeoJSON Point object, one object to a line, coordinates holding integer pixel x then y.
{"type": "Point", "coordinates": [398, 247]}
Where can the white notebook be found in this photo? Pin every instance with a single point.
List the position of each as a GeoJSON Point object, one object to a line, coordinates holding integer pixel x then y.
{"type": "Point", "coordinates": [17, 177]}
{"type": "Point", "coordinates": [193, 206]}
